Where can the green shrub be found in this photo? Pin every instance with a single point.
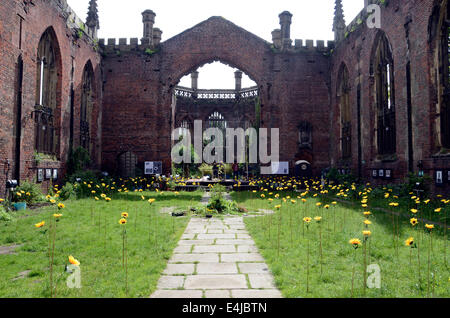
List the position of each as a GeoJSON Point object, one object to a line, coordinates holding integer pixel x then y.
{"type": "Point", "coordinates": [78, 160]}
{"type": "Point", "coordinates": [206, 169]}
{"type": "Point", "coordinates": [30, 192]}
{"type": "Point", "coordinates": [4, 216]}
{"type": "Point", "coordinates": [67, 192]}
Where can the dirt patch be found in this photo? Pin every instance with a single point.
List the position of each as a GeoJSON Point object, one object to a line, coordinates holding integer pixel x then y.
{"type": "Point", "coordinates": [22, 275]}
{"type": "Point", "coordinates": [167, 210]}
{"type": "Point", "coordinates": [8, 249]}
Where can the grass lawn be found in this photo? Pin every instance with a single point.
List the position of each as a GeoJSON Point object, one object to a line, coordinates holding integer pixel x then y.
{"type": "Point", "coordinates": [399, 270]}
{"type": "Point", "coordinates": [151, 238]}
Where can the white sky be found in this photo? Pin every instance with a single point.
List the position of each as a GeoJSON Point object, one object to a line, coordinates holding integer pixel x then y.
{"type": "Point", "coordinates": [312, 19]}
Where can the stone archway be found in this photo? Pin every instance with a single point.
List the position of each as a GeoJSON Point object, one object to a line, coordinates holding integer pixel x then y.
{"type": "Point", "coordinates": [215, 39]}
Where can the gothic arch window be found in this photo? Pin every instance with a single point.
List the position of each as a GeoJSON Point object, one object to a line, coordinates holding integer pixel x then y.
{"type": "Point", "coordinates": [442, 52]}
{"type": "Point", "coordinates": [305, 135]}
{"type": "Point", "coordinates": [383, 71]}
{"type": "Point", "coordinates": [47, 70]}
{"type": "Point", "coordinates": [86, 106]}
{"type": "Point", "coordinates": [216, 120]}
{"type": "Point", "coordinates": [343, 96]}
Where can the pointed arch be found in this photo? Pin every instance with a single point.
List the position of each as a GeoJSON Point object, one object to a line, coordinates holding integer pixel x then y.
{"type": "Point", "coordinates": [439, 38]}
{"type": "Point", "coordinates": [87, 105]}
{"type": "Point", "coordinates": [343, 97]}
{"type": "Point", "coordinates": [48, 91]}
{"type": "Point", "coordinates": [382, 68]}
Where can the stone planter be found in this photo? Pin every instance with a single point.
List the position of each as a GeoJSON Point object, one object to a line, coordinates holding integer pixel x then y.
{"type": "Point", "coordinates": [20, 206]}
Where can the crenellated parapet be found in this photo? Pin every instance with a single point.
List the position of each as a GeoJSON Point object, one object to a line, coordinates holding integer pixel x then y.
{"type": "Point", "coordinates": [281, 41]}
{"type": "Point", "coordinates": [113, 45]}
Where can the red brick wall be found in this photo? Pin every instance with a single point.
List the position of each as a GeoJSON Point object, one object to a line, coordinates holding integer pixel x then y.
{"type": "Point", "coordinates": [355, 51]}
{"type": "Point", "coordinates": [37, 17]}
{"type": "Point", "coordinates": [293, 88]}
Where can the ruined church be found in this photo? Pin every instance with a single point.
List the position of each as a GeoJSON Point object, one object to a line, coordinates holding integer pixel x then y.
{"type": "Point", "coordinates": [375, 102]}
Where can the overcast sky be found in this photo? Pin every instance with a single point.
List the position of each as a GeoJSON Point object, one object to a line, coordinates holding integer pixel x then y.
{"type": "Point", "coordinates": [312, 19]}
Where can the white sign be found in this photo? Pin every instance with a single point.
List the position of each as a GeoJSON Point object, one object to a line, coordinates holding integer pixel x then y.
{"type": "Point", "coordinates": [153, 167]}
{"type": "Point", "coordinates": [279, 167]}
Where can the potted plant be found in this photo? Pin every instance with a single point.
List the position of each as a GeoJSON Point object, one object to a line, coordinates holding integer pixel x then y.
{"type": "Point", "coordinates": [19, 200]}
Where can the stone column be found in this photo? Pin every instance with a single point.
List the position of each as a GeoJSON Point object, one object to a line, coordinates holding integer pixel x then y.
{"type": "Point", "coordinates": [276, 38]}
{"type": "Point", "coordinates": [194, 80]}
{"type": "Point", "coordinates": [238, 80]}
{"type": "Point", "coordinates": [148, 19]}
{"type": "Point", "coordinates": [285, 23]}
{"type": "Point", "coordinates": [156, 36]}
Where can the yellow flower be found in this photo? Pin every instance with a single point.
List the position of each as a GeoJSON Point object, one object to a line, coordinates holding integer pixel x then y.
{"type": "Point", "coordinates": [367, 233]}
{"type": "Point", "coordinates": [318, 218]}
{"type": "Point", "coordinates": [413, 221]}
{"type": "Point", "coordinates": [414, 211]}
{"type": "Point", "coordinates": [56, 216]}
{"type": "Point", "coordinates": [124, 214]}
{"type": "Point", "coordinates": [40, 224]}
{"type": "Point", "coordinates": [96, 199]}
{"type": "Point", "coordinates": [386, 195]}
{"type": "Point", "coordinates": [429, 226]}
{"type": "Point", "coordinates": [293, 201]}
{"type": "Point", "coordinates": [151, 201]}
{"type": "Point", "coordinates": [73, 261]}
{"type": "Point", "coordinates": [52, 201]}
{"type": "Point", "coordinates": [334, 202]}
{"type": "Point", "coordinates": [1, 200]}
{"type": "Point", "coordinates": [277, 206]}
{"type": "Point", "coordinates": [393, 204]}
{"type": "Point", "coordinates": [107, 199]}
{"type": "Point", "coordinates": [304, 200]}
{"type": "Point", "coordinates": [355, 242]}
{"type": "Point", "coordinates": [142, 197]}
{"type": "Point", "coordinates": [438, 210]}
{"type": "Point", "coordinates": [122, 221]}
{"type": "Point", "coordinates": [103, 195]}
{"type": "Point", "coordinates": [61, 206]}
{"type": "Point", "coordinates": [364, 205]}
{"type": "Point", "coordinates": [367, 213]}
{"type": "Point", "coordinates": [307, 219]}
{"type": "Point", "coordinates": [19, 194]}
{"type": "Point", "coordinates": [409, 241]}
{"type": "Point", "coordinates": [367, 222]}
{"type": "Point", "coordinates": [318, 204]}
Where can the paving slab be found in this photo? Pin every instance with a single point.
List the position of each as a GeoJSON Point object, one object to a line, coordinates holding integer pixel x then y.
{"type": "Point", "coordinates": [256, 293]}
{"type": "Point", "coordinates": [247, 249]}
{"type": "Point", "coordinates": [177, 294]}
{"type": "Point", "coordinates": [261, 281]}
{"type": "Point", "coordinates": [215, 282]}
{"type": "Point", "coordinates": [216, 258]}
{"type": "Point", "coordinates": [234, 242]}
{"type": "Point", "coordinates": [253, 268]}
{"type": "Point", "coordinates": [191, 258]}
{"type": "Point", "coordinates": [214, 249]}
{"type": "Point", "coordinates": [217, 293]}
{"type": "Point", "coordinates": [242, 257]}
{"type": "Point", "coordinates": [217, 268]}
{"type": "Point", "coordinates": [175, 269]}
{"type": "Point", "coordinates": [170, 282]}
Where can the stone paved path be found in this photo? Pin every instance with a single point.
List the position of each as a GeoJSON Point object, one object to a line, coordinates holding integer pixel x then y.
{"type": "Point", "coordinates": [216, 259]}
